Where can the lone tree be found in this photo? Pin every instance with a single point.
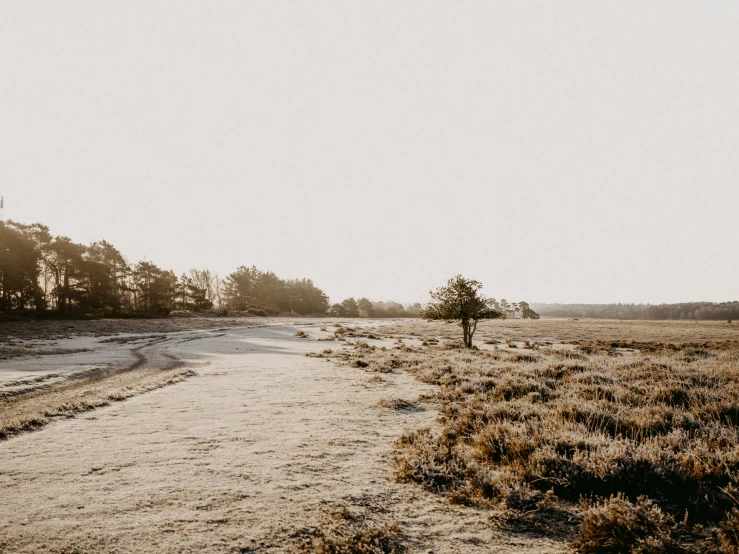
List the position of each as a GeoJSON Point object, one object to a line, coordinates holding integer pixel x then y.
{"type": "Point", "coordinates": [460, 300]}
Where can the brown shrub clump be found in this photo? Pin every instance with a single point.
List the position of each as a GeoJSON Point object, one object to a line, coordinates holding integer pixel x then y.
{"type": "Point", "coordinates": [617, 526]}
{"type": "Point", "coordinates": [729, 533]}
{"type": "Point", "coordinates": [356, 531]}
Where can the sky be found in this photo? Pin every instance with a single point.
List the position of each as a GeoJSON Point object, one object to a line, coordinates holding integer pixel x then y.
{"type": "Point", "coordinates": [570, 151]}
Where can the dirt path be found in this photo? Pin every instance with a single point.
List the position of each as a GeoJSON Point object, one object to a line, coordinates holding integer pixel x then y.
{"type": "Point", "coordinates": [245, 456]}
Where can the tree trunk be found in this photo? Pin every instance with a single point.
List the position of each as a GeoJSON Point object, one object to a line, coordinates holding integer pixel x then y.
{"type": "Point", "coordinates": [468, 331]}
{"type": "Point", "coordinates": [6, 297]}
{"type": "Point", "coordinates": [466, 337]}
{"type": "Point", "coordinates": [64, 291]}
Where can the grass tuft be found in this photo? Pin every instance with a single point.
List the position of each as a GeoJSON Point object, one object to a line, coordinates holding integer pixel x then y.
{"type": "Point", "coordinates": [356, 531]}
{"type": "Point", "coordinates": [618, 526]}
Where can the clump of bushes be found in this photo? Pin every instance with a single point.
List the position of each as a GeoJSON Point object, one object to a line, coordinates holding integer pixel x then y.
{"type": "Point", "coordinates": [729, 533]}
{"type": "Point", "coordinates": [616, 525]}
{"type": "Point", "coordinates": [356, 531]}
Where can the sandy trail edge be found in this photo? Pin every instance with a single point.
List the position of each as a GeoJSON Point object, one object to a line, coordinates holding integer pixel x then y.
{"type": "Point", "coordinates": [27, 405]}
{"type": "Point", "coordinates": [240, 458]}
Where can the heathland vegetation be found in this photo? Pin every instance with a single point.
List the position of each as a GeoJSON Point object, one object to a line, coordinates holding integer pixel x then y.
{"type": "Point", "coordinates": [621, 437]}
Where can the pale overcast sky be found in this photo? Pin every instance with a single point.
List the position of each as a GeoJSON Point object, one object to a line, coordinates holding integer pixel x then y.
{"type": "Point", "coordinates": [557, 151]}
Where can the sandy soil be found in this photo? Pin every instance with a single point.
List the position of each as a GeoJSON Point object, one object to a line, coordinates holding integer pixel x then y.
{"type": "Point", "coordinates": [247, 455]}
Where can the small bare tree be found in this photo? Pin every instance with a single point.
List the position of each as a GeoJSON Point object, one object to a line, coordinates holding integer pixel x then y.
{"type": "Point", "coordinates": [460, 300]}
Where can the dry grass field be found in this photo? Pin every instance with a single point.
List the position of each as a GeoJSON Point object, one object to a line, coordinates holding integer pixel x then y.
{"type": "Point", "coordinates": [616, 436]}
{"type": "Point", "coordinates": [367, 436]}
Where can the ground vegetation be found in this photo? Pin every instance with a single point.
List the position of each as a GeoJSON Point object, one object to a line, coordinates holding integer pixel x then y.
{"type": "Point", "coordinates": [618, 439]}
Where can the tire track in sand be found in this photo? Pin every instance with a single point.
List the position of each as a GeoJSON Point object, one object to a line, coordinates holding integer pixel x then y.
{"type": "Point", "coordinates": [34, 407]}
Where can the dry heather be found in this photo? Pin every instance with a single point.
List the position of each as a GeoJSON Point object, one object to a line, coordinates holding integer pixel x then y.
{"type": "Point", "coordinates": [561, 330]}
{"type": "Point", "coordinates": [363, 528]}
{"type": "Point", "coordinates": [621, 444]}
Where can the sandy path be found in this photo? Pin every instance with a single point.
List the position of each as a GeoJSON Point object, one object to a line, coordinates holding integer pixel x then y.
{"type": "Point", "coordinates": [239, 458]}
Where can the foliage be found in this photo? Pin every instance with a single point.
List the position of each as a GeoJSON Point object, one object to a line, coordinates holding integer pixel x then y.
{"type": "Point", "coordinates": [350, 307]}
{"type": "Point", "coordinates": [366, 308]}
{"type": "Point", "coordinates": [194, 291]}
{"type": "Point", "coordinates": [511, 309]}
{"type": "Point", "coordinates": [460, 300]}
{"type": "Point", "coordinates": [248, 288]}
{"type": "Point", "coordinates": [717, 311]}
{"type": "Point", "coordinates": [55, 274]}
{"type": "Point", "coordinates": [527, 312]}
{"type": "Point", "coordinates": [20, 258]}
{"type": "Point", "coordinates": [155, 287]}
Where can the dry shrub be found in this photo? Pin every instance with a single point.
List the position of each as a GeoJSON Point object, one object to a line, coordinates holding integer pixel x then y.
{"type": "Point", "coordinates": [729, 533]}
{"type": "Point", "coordinates": [701, 349]}
{"type": "Point", "coordinates": [339, 334]}
{"type": "Point", "coordinates": [356, 531]}
{"type": "Point", "coordinates": [326, 353]}
{"type": "Point", "coordinates": [617, 526]}
{"type": "Point", "coordinates": [569, 355]}
{"type": "Point", "coordinates": [429, 461]}
{"type": "Point", "coordinates": [525, 358]}
{"type": "Point", "coordinates": [504, 442]}
{"type": "Point", "coordinates": [399, 405]}
{"type": "Point", "coordinates": [453, 345]}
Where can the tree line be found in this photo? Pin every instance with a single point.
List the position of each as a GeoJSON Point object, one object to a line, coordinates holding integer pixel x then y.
{"type": "Point", "coordinates": [50, 274]}
{"type": "Point", "coordinates": [364, 307]}
{"type": "Point", "coordinates": [684, 311]}
{"type": "Point", "coordinates": [46, 273]}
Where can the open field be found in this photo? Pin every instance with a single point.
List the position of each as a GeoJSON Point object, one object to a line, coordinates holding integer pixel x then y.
{"type": "Point", "coordinates": [616, 437]}
{"type": "Point", "coordinates": [367, 436]}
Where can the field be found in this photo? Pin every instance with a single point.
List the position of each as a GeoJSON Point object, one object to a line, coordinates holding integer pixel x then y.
{"type": "Point", "coordinates": [254, 435]}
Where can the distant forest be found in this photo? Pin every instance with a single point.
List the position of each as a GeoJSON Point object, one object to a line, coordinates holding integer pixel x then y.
{"type": "Point", "coordinates": [689, 310]}
{"type": "Point", "coordinates": [51, 275]}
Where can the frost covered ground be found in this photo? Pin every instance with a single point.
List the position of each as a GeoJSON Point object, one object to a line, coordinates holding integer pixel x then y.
{"type": "Point", "coordinates": [249, 447]}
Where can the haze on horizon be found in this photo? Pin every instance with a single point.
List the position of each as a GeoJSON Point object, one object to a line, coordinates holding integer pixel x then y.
{"type": "Point", "coordinates": [580, 152]}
